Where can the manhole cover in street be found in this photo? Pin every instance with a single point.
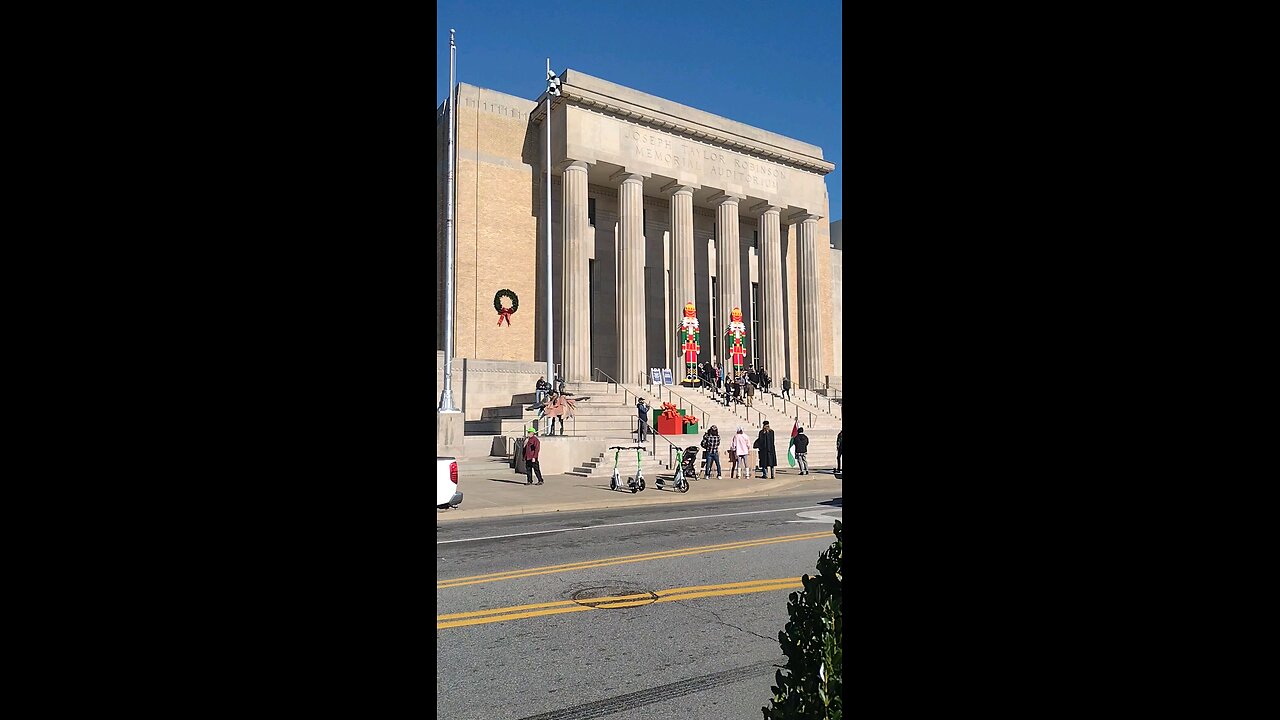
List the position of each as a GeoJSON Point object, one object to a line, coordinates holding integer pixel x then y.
{"type": "Point", "coordinates": [613, 597]}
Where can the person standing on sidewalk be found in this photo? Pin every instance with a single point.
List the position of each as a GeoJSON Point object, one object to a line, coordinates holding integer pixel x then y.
{"type": "Point", "coordinates": [741, 449]}
{"type": "Point", "coordinates": [768, 451]}
{"type": "Point", "coordinates": [839, 436]}
{"type": "Point", "coordinates": [532, 447]}
{"type": "Point", "coordinates": [711, 451]}
{"type": "Point", "coordinates": [802, 450]}
{"type": "Point", "coordinates": [642, 408]}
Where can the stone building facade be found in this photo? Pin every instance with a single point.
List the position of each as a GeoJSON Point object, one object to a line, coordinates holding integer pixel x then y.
{"type": "Point", "coordinates": [654, 204]}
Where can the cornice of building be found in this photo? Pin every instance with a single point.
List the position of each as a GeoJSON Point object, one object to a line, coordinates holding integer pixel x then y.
{"type": "Point", "coordinates": [597, 99]}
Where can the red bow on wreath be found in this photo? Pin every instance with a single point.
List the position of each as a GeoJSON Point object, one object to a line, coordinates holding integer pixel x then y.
{"type": "Point", "coordinates": [505, 314]}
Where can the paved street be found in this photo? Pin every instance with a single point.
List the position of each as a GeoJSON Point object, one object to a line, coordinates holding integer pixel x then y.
{"type": "Point", "coordinates": [650, 611]}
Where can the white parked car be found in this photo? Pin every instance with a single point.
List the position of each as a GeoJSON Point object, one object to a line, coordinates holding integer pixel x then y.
{"type": "Point", "coordinates": [447, 495]}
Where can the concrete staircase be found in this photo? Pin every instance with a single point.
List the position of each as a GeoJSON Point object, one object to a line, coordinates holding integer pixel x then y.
{"type": "Point", "coordinates": [599, 413]}
{"type": "Point", "coordinates": [601, 465]}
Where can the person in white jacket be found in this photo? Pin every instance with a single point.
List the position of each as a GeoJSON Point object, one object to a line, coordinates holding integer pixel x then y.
{"type": "Point", "coordinates": [741, 448]}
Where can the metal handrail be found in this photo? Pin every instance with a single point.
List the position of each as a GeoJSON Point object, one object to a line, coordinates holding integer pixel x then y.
{"type": "Point", "coordinates": [608, 380]}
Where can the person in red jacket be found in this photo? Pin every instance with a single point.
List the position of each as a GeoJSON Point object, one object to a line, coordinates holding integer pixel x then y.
{"type": "Point", "coordinates": [531, 448]}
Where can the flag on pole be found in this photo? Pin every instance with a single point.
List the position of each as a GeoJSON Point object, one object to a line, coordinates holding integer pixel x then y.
{"type": "Point", "coordinates": [791, 454]}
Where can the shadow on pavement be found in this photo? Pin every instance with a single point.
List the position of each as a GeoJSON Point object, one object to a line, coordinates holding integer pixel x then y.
{"type": "Point", "coordinates": [513, 482]}
{"type": "Point", "coordinates": [836, 502]}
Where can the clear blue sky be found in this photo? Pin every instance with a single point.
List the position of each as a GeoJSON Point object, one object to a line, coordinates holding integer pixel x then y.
{"type": "Point", "coordinates": [772, 65]}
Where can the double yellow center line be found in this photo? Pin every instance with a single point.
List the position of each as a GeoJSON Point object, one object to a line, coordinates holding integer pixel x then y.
{"type": "Point", "coordinates": [661, 555]}
{"type": "Point", "coordinates": [481, 617]}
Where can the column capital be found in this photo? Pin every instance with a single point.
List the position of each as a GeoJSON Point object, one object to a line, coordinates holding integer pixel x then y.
{"type": "Point", "coordinates": [802, 216]}
{"type": "Point", "coordinates": [765, 207]}
{"type": "Point", "coordinates": [572, 164]}
{"type": "Point", "coordinates": [724, 198]}
{"type": "Point", "coordinates": [625, 175]}
{"type": "Point", "coordinates": [675, 187]}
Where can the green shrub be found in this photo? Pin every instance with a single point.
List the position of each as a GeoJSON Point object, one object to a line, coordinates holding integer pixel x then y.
{"type": "Point", "coordinates": [811, 642]}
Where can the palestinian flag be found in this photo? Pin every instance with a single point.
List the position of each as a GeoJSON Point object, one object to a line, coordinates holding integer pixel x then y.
{"type": "Point", "coordinates": [791, 453]}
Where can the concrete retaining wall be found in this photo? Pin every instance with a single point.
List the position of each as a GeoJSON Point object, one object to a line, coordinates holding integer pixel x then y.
{"type": "Point", "coordinates": [478, 384]}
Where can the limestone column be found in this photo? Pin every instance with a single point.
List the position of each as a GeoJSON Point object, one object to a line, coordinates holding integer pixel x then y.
{"type": "Point", "coordinates": [728, 272]}
{"type": "Point", "coordinates": [770, 309]}
{"type": "Point", "coordinates": [575, 316]}
{"type": "Point", "coordinates": [682, 264]}
{"type": "Point", "coordinates": [807, 311]}
{"type": "Point", "coordinates": [632, 349]}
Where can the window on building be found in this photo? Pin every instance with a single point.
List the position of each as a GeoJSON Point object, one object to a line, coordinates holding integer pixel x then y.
{"type": "Point", "coordinates": [755, 323]}
{"type": "Point", "coordinates": [591, 211]}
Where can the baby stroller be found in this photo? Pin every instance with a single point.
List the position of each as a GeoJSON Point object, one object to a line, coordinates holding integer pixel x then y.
{"type": "Point", "coordinates": [688, 462]}
{"type": "Point", "coordinates": [687, 471]}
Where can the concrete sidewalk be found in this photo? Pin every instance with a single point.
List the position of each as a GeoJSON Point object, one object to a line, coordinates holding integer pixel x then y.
{"type": "Point", "coordinates": [499, 492]}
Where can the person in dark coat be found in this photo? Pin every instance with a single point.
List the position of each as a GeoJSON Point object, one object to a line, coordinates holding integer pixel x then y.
{"type": "Point", "coordinates": [802, 451]}
{"type": "Point", "coordinates": [768, 451]}
{"type": "Point", "coordinates": [642, 409]}
{"type": "Point", "coordinates": [839, 437]}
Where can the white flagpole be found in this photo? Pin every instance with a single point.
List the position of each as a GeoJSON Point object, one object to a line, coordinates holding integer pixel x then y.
{"type": "Point", "coordinates": [551, 367]}
{"type": "Point", "coordinates": [446, 396]}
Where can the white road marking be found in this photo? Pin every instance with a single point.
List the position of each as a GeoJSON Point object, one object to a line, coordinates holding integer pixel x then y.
{"type": "Point", "coordinates": [819, 516]}
{"type": "Point", "coordinates": [637, 522]}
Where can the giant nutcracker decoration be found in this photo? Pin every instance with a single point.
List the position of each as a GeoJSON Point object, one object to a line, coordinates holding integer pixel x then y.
{"type": "Point", "coordinates": [737, 331]}
{"type": "Point", "coordinates": [689, 343]}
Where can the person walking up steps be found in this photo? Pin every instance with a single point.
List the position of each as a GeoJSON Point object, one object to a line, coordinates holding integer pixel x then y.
{"type": "Point", "coordinates": [786, 388]}
{"type": "Point", "coordinates": [711, 451]}
{"type": "Point", "coordinates": [802, 451]}
{"type": "Point", "coordinates": [532, 447]}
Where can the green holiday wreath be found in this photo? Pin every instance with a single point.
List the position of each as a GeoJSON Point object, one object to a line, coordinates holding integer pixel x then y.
{"type": "Point", "coordinates": [497, 300]}
{"type": "Point", "coordinates": [505, 313]}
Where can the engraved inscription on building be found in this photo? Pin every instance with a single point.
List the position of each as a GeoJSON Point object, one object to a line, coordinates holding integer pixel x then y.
{"type": "Point", "coordinates": [497, 109]}
{"type": "Point", "coordinates": [682, 154]}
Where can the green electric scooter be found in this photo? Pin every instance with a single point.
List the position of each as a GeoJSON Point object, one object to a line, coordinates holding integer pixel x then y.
{"type": "Point", "coordinates": [634, 484]}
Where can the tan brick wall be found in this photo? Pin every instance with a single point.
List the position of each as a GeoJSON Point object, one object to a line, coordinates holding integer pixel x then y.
{"type": "Point", "coordinates": [497, 225]}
